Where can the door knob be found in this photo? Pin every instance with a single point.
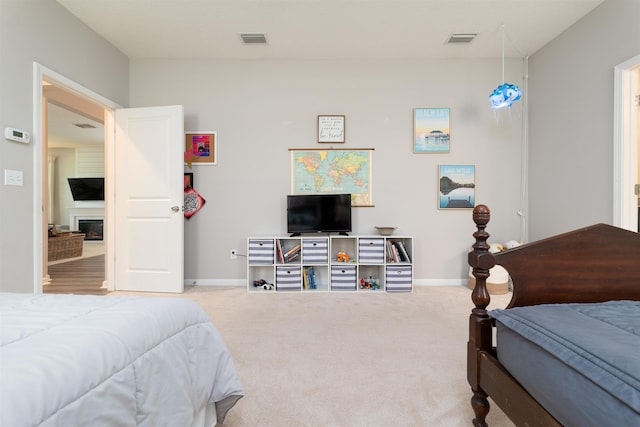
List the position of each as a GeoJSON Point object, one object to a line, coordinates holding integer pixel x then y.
{"type": "Point", "coordinates": [175, 208]}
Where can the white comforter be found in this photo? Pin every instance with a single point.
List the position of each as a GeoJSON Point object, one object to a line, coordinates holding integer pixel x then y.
{"type": "Point", "coordinates": [69, 360]}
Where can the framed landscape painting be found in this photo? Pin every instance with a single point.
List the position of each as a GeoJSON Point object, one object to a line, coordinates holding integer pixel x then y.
{"type": "Point", "coordinates": [431, 130]}
{"type": "Point", "coordinates": [457, 186]}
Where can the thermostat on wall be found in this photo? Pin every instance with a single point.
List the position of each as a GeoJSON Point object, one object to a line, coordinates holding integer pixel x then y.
{"type": "Point", "coordinates": [17, 135]}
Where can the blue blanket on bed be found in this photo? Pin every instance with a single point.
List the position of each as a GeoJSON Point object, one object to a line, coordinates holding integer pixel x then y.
{"type": "Point", "coordinates": [602, 341]}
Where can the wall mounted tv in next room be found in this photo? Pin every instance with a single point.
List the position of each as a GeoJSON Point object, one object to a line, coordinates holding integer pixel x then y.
{"type": "Point", "coordinates": [86, 189]}
{"type": "Point", "coordinates": [318, 213]}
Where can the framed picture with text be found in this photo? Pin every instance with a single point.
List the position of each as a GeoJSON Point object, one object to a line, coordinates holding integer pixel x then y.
{"type": "Point", "coordinates": [331, 129]}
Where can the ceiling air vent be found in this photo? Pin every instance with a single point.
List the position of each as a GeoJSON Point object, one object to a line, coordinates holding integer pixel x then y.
{"type": "Point", "coordinates": [461, 37]}
{"type": "Point", "coordinates": [84, 125]}
{"type": "Point", "coordinates": [253, 38]}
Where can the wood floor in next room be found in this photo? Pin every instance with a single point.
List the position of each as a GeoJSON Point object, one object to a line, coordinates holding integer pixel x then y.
{"type": "Point", "coordinates": [82, 276]}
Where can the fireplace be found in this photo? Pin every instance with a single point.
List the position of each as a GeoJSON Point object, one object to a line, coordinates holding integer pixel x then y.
{"type": "Point", "coordinates": [92, 228]}
{"type": "Point", "coordinates": [92, 220]}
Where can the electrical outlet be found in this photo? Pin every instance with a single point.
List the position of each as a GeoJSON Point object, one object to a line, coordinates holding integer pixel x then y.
{"type": "Point", "coordinates": [233, 254]}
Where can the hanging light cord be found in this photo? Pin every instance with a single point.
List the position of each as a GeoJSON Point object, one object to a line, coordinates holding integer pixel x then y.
{"type": "Point", "coordinates": [502, 28]}
{"type": "Point", "coordinates": [505, 94]}
{"type": "Point", "coordinates": [524, 155]}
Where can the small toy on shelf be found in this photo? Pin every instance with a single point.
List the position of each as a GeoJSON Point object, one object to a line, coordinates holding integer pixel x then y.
{"type": "Point", "coordinates": [342, 256]}
{"type": "Point", "coordinates": [261, 283]}
{"type": "Point", "coordinates": [371, 284]}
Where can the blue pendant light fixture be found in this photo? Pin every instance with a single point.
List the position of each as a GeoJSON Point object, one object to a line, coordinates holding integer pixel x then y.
{"type": "Point", "coordinates": [505, 94]}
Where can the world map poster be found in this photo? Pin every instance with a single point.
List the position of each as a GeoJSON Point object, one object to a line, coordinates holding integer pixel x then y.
{"type": "Point", "coordinates": [333, 171]}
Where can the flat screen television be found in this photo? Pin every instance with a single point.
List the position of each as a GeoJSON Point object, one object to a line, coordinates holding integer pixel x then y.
{"type": "Point", "coordinates": [318, 213]}
{"type": "Point", "coordinates": [86, 189]}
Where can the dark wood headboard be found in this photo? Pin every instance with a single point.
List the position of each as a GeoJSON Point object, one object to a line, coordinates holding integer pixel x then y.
{"type": "Point", "coordinates": [592, 264]}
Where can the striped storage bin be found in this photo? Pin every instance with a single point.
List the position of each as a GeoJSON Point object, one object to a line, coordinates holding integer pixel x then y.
{"type": "Point", "coordinates": [343, 278]}
{"type": "Point", "coordinates": [371, 250]}
{"type": "Point", "coordinates": [260, 251]}
{"type": "Point", "coordinates": [315, 251]}
{"type": "Point", "coordinates": [288, 278]}
{"type": "Point", "coordinates": [398, 278]}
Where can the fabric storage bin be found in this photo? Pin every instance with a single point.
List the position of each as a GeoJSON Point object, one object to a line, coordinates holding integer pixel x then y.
{"type": "Point", "coordinates": [261, 251]}
{"type": "Point", "coordinates": [371, 250]}
{"type": "Point", "coordinates": [65, 245]}
{"type": "Point", "coordinates": [288, 278]}
{"type": "Point", "coordinates": [398, 278]}
{"type": "Point", "coordinates": [315, 251]}
{"type": "Point", "coordinates": [343, 278]}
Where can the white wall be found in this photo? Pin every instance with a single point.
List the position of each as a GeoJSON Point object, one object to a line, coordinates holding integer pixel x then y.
{"type": "Point", "coordinates": [260, 109]}
{"type": "Point", "coordinates": [83, 161]}
{"type": "Point", "coordinates": [571, 119]}
{"type": "Point", "coordinates": [41, 31]}
{"type": "Point", "coordinates": [65, 167]}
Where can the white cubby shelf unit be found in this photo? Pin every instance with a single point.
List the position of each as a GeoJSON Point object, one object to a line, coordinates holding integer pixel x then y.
{"type": "Point", "coordinates": [317, 263]}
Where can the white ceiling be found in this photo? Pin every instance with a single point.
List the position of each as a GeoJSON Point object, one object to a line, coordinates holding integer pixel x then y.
{"type": "Point", "coordinates": [315, 29]}
{"type": "Point", "coordinates": [327, 29]}
{"type": "Point", "coordinates": [62, 132]}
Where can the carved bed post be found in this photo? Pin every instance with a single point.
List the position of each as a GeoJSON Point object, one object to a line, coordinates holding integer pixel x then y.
{"type": "Point", "coordinates": [479, 322]}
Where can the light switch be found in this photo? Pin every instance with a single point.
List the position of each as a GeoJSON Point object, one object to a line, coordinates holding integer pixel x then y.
{"type": "Point", "coordinates": [12, 177]}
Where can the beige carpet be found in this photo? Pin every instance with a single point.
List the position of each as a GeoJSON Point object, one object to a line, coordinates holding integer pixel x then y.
{"type": "Point", "coordinates": [348, 359]}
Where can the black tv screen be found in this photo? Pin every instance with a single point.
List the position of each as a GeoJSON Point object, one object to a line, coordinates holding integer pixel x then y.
{"type": "Point", "coordinates": [86, 189]}
{"type": "Point", "coordinates": [317, 213]}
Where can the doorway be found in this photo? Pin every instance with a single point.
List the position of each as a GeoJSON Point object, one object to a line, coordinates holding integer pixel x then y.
{"type": "Point", "coordinates": [148, 265]}
{"type": "Point", "coordinates": [104, 108]}
{"type": "Point", "coordinates": [74, 146]}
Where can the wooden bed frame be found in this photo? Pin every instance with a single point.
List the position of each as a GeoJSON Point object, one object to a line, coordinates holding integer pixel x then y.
{"type": "Point", "coordinates": [593, 264]}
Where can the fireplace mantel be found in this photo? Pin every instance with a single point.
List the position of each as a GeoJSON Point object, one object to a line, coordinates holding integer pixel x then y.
{"type": "Point", "coordinates": [83, 213]}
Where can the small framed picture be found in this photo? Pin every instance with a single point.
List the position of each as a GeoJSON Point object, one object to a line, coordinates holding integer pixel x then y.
{"type": "Point", "coordinates": [331, 129]}
{"type": "Point", "coordinates": [188, 180]}
{"type": "Point", "coordinates": [457, 186]}
{"type": "Point", "coordinates": [431, 130]}
{"type": "Point", "coordinates": [202, 146]}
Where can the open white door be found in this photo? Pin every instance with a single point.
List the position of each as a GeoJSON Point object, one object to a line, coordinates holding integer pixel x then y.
{"type": "Point", "coordinates": [148, 218]}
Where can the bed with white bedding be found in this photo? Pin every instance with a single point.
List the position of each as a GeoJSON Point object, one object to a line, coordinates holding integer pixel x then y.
{"type": "Point", "coordinates": [69, 360]}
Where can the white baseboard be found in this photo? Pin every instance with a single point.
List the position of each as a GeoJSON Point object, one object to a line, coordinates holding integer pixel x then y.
{"type": "Point", "coordinates": [215, 282]}
{"type": "Point", "coordinates": [440, 282]}
{"type": "Point", "coordinates": [243, 282]}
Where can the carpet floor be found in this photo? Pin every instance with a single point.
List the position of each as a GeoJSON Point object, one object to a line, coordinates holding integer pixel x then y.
{"type": "Point", "coordinates": [348, 359]}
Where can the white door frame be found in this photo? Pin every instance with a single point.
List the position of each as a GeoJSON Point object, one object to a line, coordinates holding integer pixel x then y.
{"type": "Point", "coordinates": [625, 145]}
{"type": "Point", "coordinates": [41, 73]}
